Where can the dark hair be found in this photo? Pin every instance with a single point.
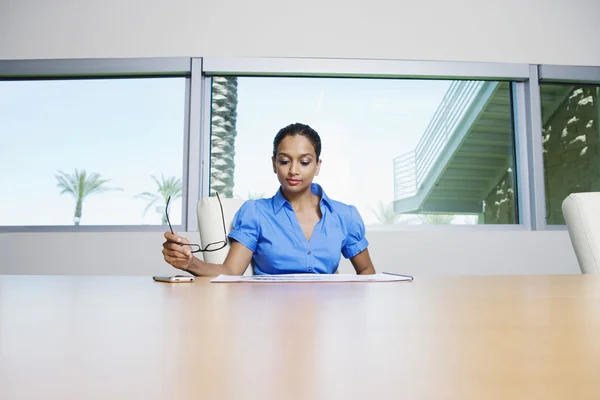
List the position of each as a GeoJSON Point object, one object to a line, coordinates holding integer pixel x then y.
{"type": "Point", "coordinates": [298, 129]}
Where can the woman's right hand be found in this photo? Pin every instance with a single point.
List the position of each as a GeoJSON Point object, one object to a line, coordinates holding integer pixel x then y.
{"type": "Point", "coordinates": [175, 254]}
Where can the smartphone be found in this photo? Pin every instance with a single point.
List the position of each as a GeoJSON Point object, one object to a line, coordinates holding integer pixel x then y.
{"type": "Point", "coordinates": [174, 278]}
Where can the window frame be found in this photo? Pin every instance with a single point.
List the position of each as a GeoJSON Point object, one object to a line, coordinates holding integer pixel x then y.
{"type": "Point", "coordinates": [527, 118]}
{"type": "Point", "coordinates": [520, 75]}
{"type": "Point", "coordinates": [558, 74]}
{"type": "Point", "coordinates": [74, 69]}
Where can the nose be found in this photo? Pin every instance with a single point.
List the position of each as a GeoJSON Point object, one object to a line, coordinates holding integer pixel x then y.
{"type": "Point", "coordinates": [293, 169]}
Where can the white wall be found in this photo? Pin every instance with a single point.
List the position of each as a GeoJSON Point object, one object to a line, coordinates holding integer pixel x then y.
{"type": "Point", "coordinates": [420, 253]}
{"type": "Point", "coordinates": [521, 31]}
{"type": "Point", "coordinates": [527, 31]}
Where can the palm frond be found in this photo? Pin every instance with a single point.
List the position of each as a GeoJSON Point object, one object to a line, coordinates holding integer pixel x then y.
{"type": "Point", "coordinates": [152, 198]}
{"type": "Point", "coordinates": [437, 219]}
{"type": "Point", "coordinates": [385, 213]}
{"type": "Point", "coordinates": [81, 185]}
{"type": "Point", "coordinates": [65, 183]}
{"type": "Point", "coordinates": [150, 204]}
{"type": "Point", "coordinates": [169, 187]}
{"type": "Point", "coordinates": [147, 196]}
{"type": "Point", "coordinates": [94, 184]}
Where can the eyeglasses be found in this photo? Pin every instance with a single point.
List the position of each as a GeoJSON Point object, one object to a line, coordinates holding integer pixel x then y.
{"type": "Point", "coordinates": [196, 248]}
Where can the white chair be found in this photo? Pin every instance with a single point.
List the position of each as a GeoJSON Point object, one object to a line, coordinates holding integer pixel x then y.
{"type": "Point", "coordinates": [581, 212]}
{"type": "Point", "coordinates": [210, 225]}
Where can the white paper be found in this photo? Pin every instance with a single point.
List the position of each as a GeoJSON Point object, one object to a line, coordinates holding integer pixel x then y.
{"type": "Point", "coordinates": [381, 277]}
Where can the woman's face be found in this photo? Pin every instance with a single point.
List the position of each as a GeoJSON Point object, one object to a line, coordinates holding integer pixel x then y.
{"type": "Point", "coordinates": [296, 163]}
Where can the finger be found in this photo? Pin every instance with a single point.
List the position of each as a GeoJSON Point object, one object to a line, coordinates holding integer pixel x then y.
{"type": "Point", "coordinates": [172, 237]}
{"type": "Point", "coordinates": [180, 239]}
{"type": "Point", "coordinates": [177, 257]}
{"type": "Point", "coordinates": [178, 262]}
{"type": "Point", "coordinates": [178, 253]}
{"type": "Point", "coordinates": [175, 238]}
{"type": "Point", "coordinates": [171, 246]}
{"type": "Point", "coordinates": [175, 262]}
{"type": "Point", "coordinates": [176, 247]}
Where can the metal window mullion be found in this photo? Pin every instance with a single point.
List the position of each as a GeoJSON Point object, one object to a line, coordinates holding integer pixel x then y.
{"type": "Point", "coordinates": [205, 150]}
{"type": "Point", "coordinates": [193, 147]}
{"type": "Point", "coordinates": [185, 158]}
{"type": "Point", "coordinates": [524, 186]}
{"type": "Point", "coordinates": [535, 150]}
{"type": "Point", "coordinates": [569, 74]}
{"type": "Point", "coordinates": [363, 68]}
{"type": "Point", "coordinates": [171, 66]}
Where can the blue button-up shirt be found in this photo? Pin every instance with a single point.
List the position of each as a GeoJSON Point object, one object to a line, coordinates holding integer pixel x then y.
{"type": "Point", "coordinates": [270, 229]}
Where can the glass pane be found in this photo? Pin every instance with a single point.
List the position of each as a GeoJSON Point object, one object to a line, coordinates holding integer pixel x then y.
{"type": "Point", "coordinates": [193, 247]}
{"type": "Point", "coordinates": [570, 142]}
{"type": "Point", "coordinates": [216, 246]}
{"type": "Point", "coordinates": [402, 151]}
{"type": "Point", "coordinates": [91, 152]}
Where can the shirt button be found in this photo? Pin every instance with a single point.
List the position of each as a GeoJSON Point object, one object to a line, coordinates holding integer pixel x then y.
{"type": "Point", "coordinates": [308, 252]}
{"type": "Point", "coordinates": [309, 269]}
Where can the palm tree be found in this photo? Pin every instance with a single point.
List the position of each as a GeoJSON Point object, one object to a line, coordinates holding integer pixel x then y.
{"type": "Point", "coordinates": [223, 133]}
{"type": "Point", "coordinates": [81, 185]}
{"type": "Point", "coordinates": [385, 213]}
{"type": "Point", "coordinates": [165, 188]}
{"type": "Point", "coordinates": [437, 219]}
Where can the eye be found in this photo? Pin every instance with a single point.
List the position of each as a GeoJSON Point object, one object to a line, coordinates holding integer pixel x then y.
{"type": "Point", "coordinates": [284, 162]}
{"type": "Point", "coordinates": [305, 163]}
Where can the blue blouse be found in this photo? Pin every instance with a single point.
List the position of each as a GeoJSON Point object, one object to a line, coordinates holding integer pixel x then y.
{"type": "Point", "coordinates": [270, 229]}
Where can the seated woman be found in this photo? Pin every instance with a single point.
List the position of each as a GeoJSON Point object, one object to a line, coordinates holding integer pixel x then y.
{"type": "Point", "coordinates": [298, 230]}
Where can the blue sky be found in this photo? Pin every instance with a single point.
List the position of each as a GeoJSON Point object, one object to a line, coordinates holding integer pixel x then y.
{"type": "Point", "coordinates": [128, 130]}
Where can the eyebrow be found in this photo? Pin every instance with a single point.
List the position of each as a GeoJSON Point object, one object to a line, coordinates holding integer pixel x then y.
{"type": "Point", "coordinates": [302, 155]}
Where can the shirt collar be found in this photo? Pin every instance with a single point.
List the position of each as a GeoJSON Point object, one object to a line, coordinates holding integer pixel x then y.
{"type": "Point", "coordinates": [279, 201]}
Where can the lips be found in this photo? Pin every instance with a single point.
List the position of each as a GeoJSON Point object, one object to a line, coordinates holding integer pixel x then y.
{"type": "Point", "coordinates": [293, 182]}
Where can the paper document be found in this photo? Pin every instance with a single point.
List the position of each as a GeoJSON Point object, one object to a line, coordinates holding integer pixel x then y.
{"type": "Point", "coordinates": [382, 277]}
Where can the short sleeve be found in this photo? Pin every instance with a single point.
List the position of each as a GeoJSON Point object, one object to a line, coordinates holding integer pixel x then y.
{"type": "Point", "coordinates": [245, 226]}
{"type": "Point", "coordinates": [356, 241]}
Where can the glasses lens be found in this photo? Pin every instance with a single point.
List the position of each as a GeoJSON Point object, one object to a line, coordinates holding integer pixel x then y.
{"type": "Point", "coordinates": [215, 246]}
{"type": "Point", "coordinates": [194, 248]}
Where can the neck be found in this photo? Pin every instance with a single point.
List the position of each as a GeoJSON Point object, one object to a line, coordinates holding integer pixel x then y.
{"type": "Point", "coordinates": [300, 200]}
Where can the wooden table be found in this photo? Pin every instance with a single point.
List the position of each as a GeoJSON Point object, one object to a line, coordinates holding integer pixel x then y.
{"type": "Point", "coordinates": [508, 337]}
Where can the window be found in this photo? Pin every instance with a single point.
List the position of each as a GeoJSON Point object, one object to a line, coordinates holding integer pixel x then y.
{"type": "Point", "coordinates": [403, 151]}
{"type": "Point", "coordinates": [570, 140]}
{"type": "Point", "coordinates": [91, 151]}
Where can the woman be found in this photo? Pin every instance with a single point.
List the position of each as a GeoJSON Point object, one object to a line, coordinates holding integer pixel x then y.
{"type": "Point", "coordinates": [299, 230]}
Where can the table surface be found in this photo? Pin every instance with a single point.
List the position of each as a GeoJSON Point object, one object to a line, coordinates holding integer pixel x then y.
{"type": "Point", "coordinates": [477, 337]}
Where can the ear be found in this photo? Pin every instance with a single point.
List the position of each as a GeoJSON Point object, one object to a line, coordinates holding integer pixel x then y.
{"type": "Point", "coordinates": [273, 161]}
{"type": "Point", "coordinates": [318, 167]}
